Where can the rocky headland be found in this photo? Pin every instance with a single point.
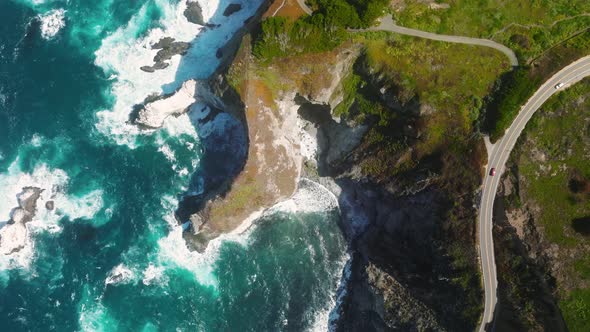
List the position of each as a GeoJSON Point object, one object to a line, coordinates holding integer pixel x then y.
{"type": "Point", "coordinates": [153, 114]}
{"type": "Point", "coordinates": [407, 270]}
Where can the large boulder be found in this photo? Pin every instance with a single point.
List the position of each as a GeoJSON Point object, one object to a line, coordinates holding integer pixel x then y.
{"type": "Point", "coordinates": [232, 9]}
{"type": "Point", "coordinates": [194, 13]}
{"type": "Point", "coordinates": [13, 236]}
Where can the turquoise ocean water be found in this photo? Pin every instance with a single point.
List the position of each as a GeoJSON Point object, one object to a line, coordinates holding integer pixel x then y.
{"type": "Point", "coordinates": [110, 256]}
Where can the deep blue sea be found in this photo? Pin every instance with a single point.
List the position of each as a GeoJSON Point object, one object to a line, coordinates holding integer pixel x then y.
{"type": "Point", "coordinates": [110, 255]}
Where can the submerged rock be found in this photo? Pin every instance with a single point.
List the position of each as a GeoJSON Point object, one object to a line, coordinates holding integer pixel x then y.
{"type": "Point", "coordinates": [157, 66]}
{"type": "Point", "coordinates": [232, 9]}
{"type": "Point", "coordinates": [13, 235]}
{"type": "Point", "coordinates": [119, 274]}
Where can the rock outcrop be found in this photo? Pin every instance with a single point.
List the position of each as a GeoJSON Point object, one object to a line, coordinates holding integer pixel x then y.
{"type": "Point", "coordinates": [194, 13]}
{"type": "Point", "coordinates": [13, 236]}
{"type": "Point", "coordinates": [231, 9]}
{"type": "Point", "coordinates": [274, 163]}
{"type": "Point", "coordinates": [153, 114]}
{"type": "Point", "coordinates": [167, 49]}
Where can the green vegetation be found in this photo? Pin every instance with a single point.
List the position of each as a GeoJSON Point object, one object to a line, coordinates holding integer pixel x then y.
{"type": "Point", "coordinates": [545, 35]}
{"type": "Point", "coordinates": [322, 31]}
{"type": "Point", "coordinates": [558, 131]}
{"type": "Point", "coordinates": [280, 37]}
{"type": "Point", "coordinates": [582, 267]}
{"type": "Point", "coordinates": [350, 13]}
{"type": "Point", "coordinates": [448, 80]}
{"type": "Point", "coordinates": [515, 88]}
{"type": "Point", "coordinates": [530, 27]}
{"type": "Point", "coordinates": [554, 153]}
{"type": "Point", "coordinates": [576, 310]}
{"type": "Point", "coordinates": [360, 99]}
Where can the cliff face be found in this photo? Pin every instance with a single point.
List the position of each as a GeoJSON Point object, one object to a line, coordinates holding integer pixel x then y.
{"type": "Point", "coordinates": [408, 270]}
{"type": "Point", "coordinates": [526, 287]}
{"type": "Point", "coordinates": [403, 276]}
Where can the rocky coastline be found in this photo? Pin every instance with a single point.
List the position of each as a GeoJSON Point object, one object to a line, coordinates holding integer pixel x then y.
{"type": "Point", "coordinates": [395, 226]}
{"type": "Point", "coordinates": [14, 233]}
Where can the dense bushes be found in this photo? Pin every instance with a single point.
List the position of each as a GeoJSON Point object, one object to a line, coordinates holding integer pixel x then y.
{"type": "Point", "coordinates": [351, 13]}
{"type": "Point", "coordinates": [514, 89]}
{"type": "Point", "coordinates": [322, 31]}
{"type": "Point", "coordinates": [280, 37]}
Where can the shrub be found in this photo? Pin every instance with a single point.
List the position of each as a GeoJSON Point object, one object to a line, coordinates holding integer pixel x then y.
{"type": "Point", "coordinates": [322, 31]}
{"type": "Point", "coordinates": [514, 89]}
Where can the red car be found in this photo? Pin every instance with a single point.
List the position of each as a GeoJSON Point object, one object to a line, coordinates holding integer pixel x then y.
{"type": "Point", "coordinates": [493, 171]}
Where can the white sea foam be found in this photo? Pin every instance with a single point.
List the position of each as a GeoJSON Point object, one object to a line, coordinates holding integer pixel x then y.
{"type": "Point", "coordinates": [152, 274]}
{"type": "Point", "coordinates": [121, 54]}
{"type": "Point", "coordinates": [36, 140]}
{"type": "Point", "coordinates": [85, 207]}
{"type": "Point", "coordinates": [167, 152]}
{"type": "Point", "coordinates": [310, 197]}
{"type": "Point", "coordinates": [120, 274]}
{"type": "Point", "coordinates": [340, 296]}
{"type": "Point", "coordinates": [173, 252]}
{"type": "Point", "coordinates": [53, 182]}
{"type": "Point", "coordinates": [181, 125]}
{"type": "Point", "coordinates": [93, 316]}
{"type": "Point", "coordinates": [52, 22]}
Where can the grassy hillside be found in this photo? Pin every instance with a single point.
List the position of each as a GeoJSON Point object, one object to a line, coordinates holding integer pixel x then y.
{"type": "Point", "coordinates": [516, 87]}
{"type": "Point", "coordinates": [530, 27]}
{"type": "Point", "coordinates": [554, 166]}
{"type": "Point", "coordinates": [449, 80]}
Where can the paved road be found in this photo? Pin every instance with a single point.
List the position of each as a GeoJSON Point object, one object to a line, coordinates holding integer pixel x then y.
{"type": "Point", "coordinates": [499, 152]}
{"type": "Point", "coordinates": [387, 24]}
{"type": "Point", "coordinates": [498, 156]}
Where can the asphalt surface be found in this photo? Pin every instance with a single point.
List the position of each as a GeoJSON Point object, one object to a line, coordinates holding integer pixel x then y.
{"type": "Point", "coordinates": [387, 24]}
{"type": "Point", "coordinates": [498, 156]}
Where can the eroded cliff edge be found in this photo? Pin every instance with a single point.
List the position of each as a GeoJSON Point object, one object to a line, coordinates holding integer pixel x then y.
{"type": "Point", "coordinates": [404, 161]}
{"type": "Point", "coordinates": [410, 219]}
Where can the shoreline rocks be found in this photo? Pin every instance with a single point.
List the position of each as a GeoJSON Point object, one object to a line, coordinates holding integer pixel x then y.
{"type": "Point", "coordinates": [153, 114]}
{"type": "Point", "coordinates": [13, 235]}
{"type": "Point", "coordinates": [231, 9]}
{"type": "Point", "coordinates": [168, 48]}
{"type": "Point", "coordinates": [194, 13]}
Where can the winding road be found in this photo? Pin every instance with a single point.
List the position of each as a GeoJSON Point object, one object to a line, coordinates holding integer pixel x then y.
{"type": "Point", "coordinates": [499, 154]}
{"type": "Point", "coordinates": [387, 24]}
